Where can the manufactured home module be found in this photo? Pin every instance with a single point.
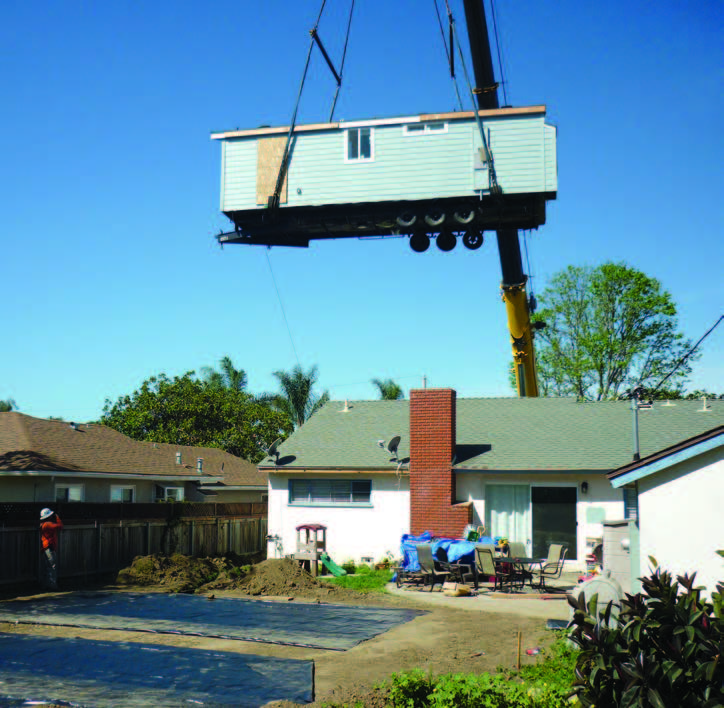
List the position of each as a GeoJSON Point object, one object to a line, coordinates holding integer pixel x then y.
{"type": "Point", "coordinates": [439, 175]}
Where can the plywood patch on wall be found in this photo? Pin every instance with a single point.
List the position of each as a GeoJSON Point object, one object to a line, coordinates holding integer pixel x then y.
{"type": "Point", "coordinates": [268, 159]}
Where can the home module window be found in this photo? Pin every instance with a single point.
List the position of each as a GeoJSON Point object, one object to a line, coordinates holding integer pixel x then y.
{"type": "Point", "coordinates": [425, 128]}
{"type": "Point", "coordinates": [359, 144]}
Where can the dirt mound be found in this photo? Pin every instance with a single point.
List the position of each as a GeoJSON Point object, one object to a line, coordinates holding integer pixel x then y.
{"type": "Point", "coordinates": [177, 573]}
{"type": "Point", "coordinates": [273, 577]}
{"type": "Point", "coordinates": [279, 576]}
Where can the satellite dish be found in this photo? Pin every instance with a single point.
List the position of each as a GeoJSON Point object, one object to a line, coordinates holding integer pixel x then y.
{"type": "Point", "coordinates": [272, 451]}
{"type": "Point", "coordinates": [393, 445]}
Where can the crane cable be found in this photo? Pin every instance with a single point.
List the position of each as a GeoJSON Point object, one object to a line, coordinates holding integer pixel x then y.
{"type": "Point", "coordinates": [341, 66]}
{"type": "Point", "coordinates": [499, 51]}
{"type": "Point", "coordinates": [284, 164]}
{"type": "Point", "coordinates": [492, 177]}
{"type": "Point", "coordinates": [449, 53]}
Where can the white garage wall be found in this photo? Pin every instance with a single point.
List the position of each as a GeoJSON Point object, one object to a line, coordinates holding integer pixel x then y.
{"type": "Point", "coordinates": [601, 503]}
{"type": "Point", "coordinates": [681, 520]}
{"type": "Point", "coordinates": [352, 532]}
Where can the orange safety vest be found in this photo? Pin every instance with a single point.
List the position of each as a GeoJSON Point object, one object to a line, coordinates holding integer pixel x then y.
{"type": "Point", "coordinates": [49, 533]}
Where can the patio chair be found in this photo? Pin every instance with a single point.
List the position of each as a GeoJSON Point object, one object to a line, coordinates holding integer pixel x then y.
{"type": "Point", "coordinates": [431, 569]}
{"type": "Point", "coordinates": [486, 568]}
{"type": "Point", "coordinates": [523, 570]}
{"type": "Point", "coordinates": [552, 567]}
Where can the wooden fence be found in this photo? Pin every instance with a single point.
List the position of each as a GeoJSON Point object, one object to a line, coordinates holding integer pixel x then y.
{"type": "Point", "coordinates": [87, 550]}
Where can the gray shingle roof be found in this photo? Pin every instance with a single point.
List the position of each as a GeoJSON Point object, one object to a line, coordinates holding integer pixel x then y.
{"type": "Point", "coordinates": [499, 433]}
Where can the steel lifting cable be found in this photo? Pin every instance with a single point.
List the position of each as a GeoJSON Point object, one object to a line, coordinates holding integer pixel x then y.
{"type": "Point", "coordinates": [341, 66]}
{"type": "Point", "coordinates": [500, 56]}
{"type": "Point", "coordinates": [492, 177]}
{"type": "Point", "coordinates": [274, 200]}
{"type": "Point", "coordinates": [449, 53]}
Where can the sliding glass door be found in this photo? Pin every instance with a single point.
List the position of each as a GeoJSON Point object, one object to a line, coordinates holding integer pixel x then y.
{"type": "Point", "coordinates": [507, 511]}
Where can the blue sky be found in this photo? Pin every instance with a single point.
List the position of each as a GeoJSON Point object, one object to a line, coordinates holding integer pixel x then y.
{"type": "Point", "coordinates": [110, 190]}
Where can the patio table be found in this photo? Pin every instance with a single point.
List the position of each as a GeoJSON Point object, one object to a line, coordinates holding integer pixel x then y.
{"type": "Point", "coordinates": [517, 561]}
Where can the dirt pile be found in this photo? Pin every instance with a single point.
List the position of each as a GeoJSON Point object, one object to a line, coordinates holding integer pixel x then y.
{"type": "Point", "coordinates": [178, 573]}
{"type": "Point", "coordinates": [279, 576]}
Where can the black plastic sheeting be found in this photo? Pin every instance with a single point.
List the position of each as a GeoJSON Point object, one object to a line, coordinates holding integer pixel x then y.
{"type": "Point", "coordinates": [81, 672]}
{"type": "Point", "coordinates": [337, 627]}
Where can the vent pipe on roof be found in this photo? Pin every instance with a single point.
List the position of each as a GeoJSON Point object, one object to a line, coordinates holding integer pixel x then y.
{"type": "Point", "coordinates": [199, 464]}
{"type": "Point", "coordinates": [635, 423]}
{"type": "Point", "coordinates": [178, 457]}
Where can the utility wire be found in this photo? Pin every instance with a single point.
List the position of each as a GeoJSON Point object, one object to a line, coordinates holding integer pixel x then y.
{"type": "Point", "coordinates": [687, 355]}
{"type": "Point", "coordinates": [281, 304]}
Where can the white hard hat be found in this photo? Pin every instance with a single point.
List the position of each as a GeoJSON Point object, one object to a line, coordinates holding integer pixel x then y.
{"type": "Point", "coordinates": [46, 513]}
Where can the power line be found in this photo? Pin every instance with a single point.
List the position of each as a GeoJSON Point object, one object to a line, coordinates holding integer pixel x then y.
{"type": "Point", "coordinates": [688, 354]}
{"type": "Point", "coordinates": [284, 314]}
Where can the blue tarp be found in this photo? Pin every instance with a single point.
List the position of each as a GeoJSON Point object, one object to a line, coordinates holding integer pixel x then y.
{"type": "Point", "coordinates": [84, 672]}
{"type": "Point", "coordinates": [450, 549]}
{"type": "Point", "coordinates": [337, 627]}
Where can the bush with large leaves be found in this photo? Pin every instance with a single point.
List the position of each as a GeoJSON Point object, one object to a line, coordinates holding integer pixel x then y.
{"type": "Point", "coordinates": [664, 649]}
{"type": "Point", "coordinates": [186, 411]}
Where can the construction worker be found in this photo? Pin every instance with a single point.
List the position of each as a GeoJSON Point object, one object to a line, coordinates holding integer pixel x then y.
{"type": "Point", "coordinates": [50, 525]}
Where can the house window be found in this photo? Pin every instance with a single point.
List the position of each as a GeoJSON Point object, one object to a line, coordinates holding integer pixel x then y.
{"type": "Point", "coordinates": [69, 492]}
{"type": "Point", "coordinates": [424, 128]}
{"type": "Point", "coordinates": [169, 493]}
{"type": "Point", "coordinates": [123, 494]}
{"type": "Point", "coordinates": [330, 492]}
{"type": "Point", "coordinates": [359, 145]}
{"type": "Point", "coordinates": [630, 503]}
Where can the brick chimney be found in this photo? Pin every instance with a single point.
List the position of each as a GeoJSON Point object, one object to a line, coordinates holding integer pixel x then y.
{"type": "Point", "coordinates": [432, 448]}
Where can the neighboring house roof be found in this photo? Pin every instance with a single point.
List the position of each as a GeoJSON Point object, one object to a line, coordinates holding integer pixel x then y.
{"type": "Point", "coordinates": [506, 434]}
{"type": "Point", "coordinates": [237, 472]}
{"type": "Point", "coordinates": [33, 445]}
{"type": "Point", "coordinates": [685, 450]}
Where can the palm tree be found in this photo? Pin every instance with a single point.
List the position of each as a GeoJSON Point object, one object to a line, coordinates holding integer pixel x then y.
{"type": "Point", "coordinates": [389, 390]}
{"type": "Point", "coordinates": [7, 406]}
{"type": "Point", "coordinates": [226, 377]}
{"type": "Point", "coordinates": [296, 398]}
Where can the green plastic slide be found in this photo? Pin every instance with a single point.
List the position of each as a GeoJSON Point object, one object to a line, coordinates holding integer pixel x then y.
{"type": "Point", "coordinates": [331, 566]}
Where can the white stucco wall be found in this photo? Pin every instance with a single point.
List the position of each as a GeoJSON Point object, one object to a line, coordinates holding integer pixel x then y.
{"type": "Point", "coordinates": [600, 503]}
{"type": "Point", "coordinates": [681, 518]}
{"type": "Point", "coordinates": [352, 532]}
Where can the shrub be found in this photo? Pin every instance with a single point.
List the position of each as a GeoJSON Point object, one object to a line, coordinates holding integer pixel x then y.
{"type": "Point", "coordinates": [664, 649]}
{"type": "Point", "coordinates": [349, 566]}
{"type": "Point", "coordinates": [546, 684]}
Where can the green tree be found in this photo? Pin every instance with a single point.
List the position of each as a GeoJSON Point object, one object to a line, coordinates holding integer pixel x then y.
{"type": "Point", "coordinates": [297, 398]}
{"type": "Point", "coordinates": [186, 411]}
{"type": "Point", "coordinates": [389, 389]}
{"type": "Point", "coordinates": [227, 375]}
{"type": "Point", "coordinates": [608, 329]}
{"type": "Point", "coordinates": [7, 405]}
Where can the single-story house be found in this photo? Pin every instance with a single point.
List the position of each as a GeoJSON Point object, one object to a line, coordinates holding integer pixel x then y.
{"type": "Point", "coordinates": [680, 494]}
{"type": "Point", "coordinates": [51, 460]}
{"type": "Point", "coordinates": [530, 469]}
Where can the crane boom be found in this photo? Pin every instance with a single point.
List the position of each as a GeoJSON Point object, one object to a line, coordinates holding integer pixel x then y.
{"type": "Point", "coordinates": [513, 278]}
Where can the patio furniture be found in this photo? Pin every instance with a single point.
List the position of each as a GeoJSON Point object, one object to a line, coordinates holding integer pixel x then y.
{"type": "Point", "coordinates": [486, 570]}
{"type": "Point", "coordinates": [408, 577]}
{"type": "Point", "coordinates": [519, 550]}
{"type": "Point", "coordinates": [552, 566]}
{"type": "Point", "coordinates": [432, 570]}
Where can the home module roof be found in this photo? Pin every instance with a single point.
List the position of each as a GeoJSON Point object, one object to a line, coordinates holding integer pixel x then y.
{"type": "Point", "coordinates": [507, 434]}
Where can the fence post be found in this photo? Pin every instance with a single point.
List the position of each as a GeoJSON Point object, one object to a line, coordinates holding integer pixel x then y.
{"type": "Point", "coordinates": [148, 538]}
{"type": "Point", "coordinates": [192, 545]}
{"type": "Point", "coordinates": [98, 547]}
